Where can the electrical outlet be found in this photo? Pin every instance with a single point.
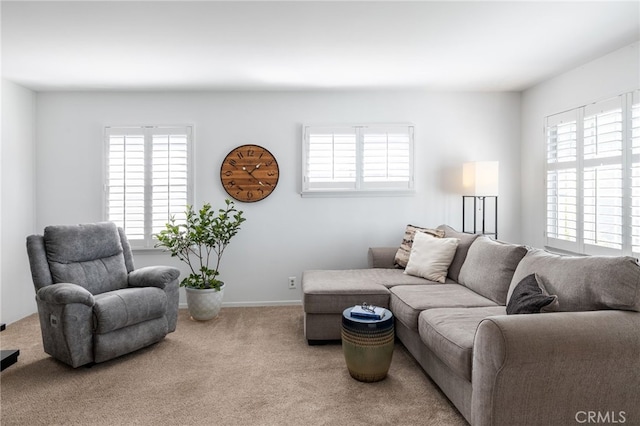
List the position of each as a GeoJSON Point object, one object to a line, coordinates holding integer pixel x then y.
{"type": "Point", "coordinates": [292, 282]}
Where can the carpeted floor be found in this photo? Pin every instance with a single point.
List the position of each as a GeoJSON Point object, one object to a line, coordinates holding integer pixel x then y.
{"type": "Point", "coordinates": [248, 366]}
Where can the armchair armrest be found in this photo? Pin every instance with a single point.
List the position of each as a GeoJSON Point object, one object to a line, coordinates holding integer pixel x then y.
{"type": "Point", "coordinates": [65, 293]}
{"type": "Point", "coordinates": [381, 257]}
{"type": "Point", "coordinates": [560, 366]}
{"type": "Point", "coordinates": [164, 277]}
{"type": "Point", "coordinates": [65, 312]}
{"type": "Point", "coordinates": [153, 276]}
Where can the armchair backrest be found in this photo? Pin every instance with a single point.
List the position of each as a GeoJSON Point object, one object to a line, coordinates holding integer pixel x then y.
{"type": "Point", "coordinates": [95, 256]}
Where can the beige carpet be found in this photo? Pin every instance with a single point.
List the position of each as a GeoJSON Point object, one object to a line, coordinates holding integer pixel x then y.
{"type": "Point", "coordinates": [248, 366]}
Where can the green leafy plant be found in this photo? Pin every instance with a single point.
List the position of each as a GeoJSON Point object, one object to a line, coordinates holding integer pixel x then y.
{"type": "Point", "coordinates": [203, 234]}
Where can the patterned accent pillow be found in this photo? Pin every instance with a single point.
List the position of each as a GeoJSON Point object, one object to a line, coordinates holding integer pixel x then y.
{"type": "Point", "coordinates": [402, 255]}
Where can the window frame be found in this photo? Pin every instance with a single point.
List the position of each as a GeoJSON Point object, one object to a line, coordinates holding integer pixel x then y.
{"type": "Point", "coordinates": [583, 165]}
{"type": "Point", "coordinates": [148, 243]}
{"type": "Point", "coordinates": [357, 188]}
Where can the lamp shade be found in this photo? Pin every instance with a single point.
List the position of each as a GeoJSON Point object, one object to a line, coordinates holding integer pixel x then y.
{"type": "Point", "coordinates": [480, 178]}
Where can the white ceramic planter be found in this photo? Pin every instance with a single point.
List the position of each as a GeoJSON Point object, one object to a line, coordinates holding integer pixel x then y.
{"type": "Point", "coordinates": [204, 304]}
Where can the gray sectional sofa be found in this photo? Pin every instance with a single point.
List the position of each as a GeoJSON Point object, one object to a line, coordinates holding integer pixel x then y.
{"type": "Point", "coordinates": [581, 362]}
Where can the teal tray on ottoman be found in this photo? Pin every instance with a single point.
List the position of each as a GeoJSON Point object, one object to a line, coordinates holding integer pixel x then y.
{"type": "Point", "coordinates": [368, 345]}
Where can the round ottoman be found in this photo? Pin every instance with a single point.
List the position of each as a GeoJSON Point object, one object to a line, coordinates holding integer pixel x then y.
{"type": "Point", "coordinates": [367, 345]}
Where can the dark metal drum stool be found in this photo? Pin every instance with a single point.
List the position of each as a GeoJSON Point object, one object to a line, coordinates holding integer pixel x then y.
{"type": "Point", "coordinates": [367, 345]}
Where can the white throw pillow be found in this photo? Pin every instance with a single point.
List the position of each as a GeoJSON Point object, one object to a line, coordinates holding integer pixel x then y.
{"type": "Point", "coordinates": [430, 257]}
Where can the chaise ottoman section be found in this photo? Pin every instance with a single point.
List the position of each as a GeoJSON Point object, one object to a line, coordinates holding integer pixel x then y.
{"type": "Point", "coordinates": [331, 292]}
{"type": "Point", "coordinates": [326, 293]}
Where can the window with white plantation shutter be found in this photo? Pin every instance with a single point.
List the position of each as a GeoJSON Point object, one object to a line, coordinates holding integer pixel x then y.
{"type": "Point", "coordinates": [147, 179]}
{"type": "Point", "coordinates": [357, 159]}
{"type": "Point", "coordinates": [593, 178]}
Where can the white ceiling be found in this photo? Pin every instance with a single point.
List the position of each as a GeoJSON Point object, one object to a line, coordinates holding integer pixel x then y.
{"type": "Point", "coordinates": [304, 45]}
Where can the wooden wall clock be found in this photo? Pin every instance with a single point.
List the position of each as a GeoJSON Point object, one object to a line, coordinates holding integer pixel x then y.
{"type": "Point", "coordinates": [249, 173]}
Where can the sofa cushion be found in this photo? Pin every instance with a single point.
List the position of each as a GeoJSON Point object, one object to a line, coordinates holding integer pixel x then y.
{"type": "Point", "coordinates": [430, 257]}
{"type": "Point", "coordinates": [464, 242]}
{"type": "Point", "coordinates": [121, 308]}
{"type": "Point", "coordinates": [584, 283]}
{"type": "Point", "coordinates": [489, 267]}
{"type": "Point", "coordinates": [449, 334]}
{"type": "Point", "coordinates": [407, 302]}
{"type": "Point", "coordinates": [332, 291]}
{"type": "Point", "coordinates": [530, 297]}
{"type": "Point", "coordinates": [402, 255]}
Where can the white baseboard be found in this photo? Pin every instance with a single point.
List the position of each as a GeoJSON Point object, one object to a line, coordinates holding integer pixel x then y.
{"type": "Point", "coordinates": [253, 304]}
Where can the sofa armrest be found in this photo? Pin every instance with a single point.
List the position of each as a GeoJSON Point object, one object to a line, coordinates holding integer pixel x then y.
{"type": "Point", "coordinates": [553, 368]}
{"type": "Point", "coordinates": [153, 276]}
{"type": "Point", "coordinates": [382, 257]}
{"type": "Point", "coordinates": [64, 294]}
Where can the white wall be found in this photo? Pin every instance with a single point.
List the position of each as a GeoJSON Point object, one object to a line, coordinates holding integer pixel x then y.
{"type": "Point", "coordinates": [285, 234]}
{"type": "Point", "coordinates": [17, 208]}
{"type": "Point", "coordinates": [605, 77]}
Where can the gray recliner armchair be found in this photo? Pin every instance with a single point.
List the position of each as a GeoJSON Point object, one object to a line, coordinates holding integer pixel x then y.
{"type": "Point", "coordinates": [93, 305]}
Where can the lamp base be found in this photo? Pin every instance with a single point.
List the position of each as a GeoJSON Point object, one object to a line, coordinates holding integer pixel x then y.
{"type": "Point", "coordinates": [480, 205]}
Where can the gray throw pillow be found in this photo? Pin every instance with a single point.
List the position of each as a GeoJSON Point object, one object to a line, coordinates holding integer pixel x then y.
{"type": "Point", "coordinates": [530, 297]}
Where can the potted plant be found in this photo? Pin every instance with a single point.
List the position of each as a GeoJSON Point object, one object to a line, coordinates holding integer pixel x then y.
{"type": "Point", "coordinates": [203, 234]}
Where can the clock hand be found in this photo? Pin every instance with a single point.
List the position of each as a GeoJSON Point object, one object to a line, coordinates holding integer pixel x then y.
{"type": "Point", "coordinates": [254, 169]}
{"type": "Point", "coordinates": [257, 166]}
{"type": "Point", "coordinates": [251, 174]}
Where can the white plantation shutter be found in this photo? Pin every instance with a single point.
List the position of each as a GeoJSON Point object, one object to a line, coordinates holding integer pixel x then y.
{"type": "Point", "coordinates": [147, 179]}
{"type": "Point", "coordinates": [593, 178]}
{"type": "Point", "coordinates": [169, 177]}
{"type": "Point", "coordinates": [561, 204]}
{"type": "Point", "coordinates": [562, 182]}
{"type": "Point", "coordinates": [387, 156]}
{"type": "Point", "coordinates": [603, 175]}
{"type": "Point", "coordinates": [357, 159]}
{"type": "Point", "coordinates": [603, 206]}
{"type": "Point", "coordinates": [635, 174]}
{"type": "Point", "coordinates": [126, 182]}
{"type": "Point", "coordinates": [331, 159]}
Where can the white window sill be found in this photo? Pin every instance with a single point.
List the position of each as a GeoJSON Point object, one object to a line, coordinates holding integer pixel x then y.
{"type": "Point", "coordinates": [562, 252]}
{"type": "Point", "coordinates": [148, 250]}
{"type": "Point", "coordinates": [355, 194]}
